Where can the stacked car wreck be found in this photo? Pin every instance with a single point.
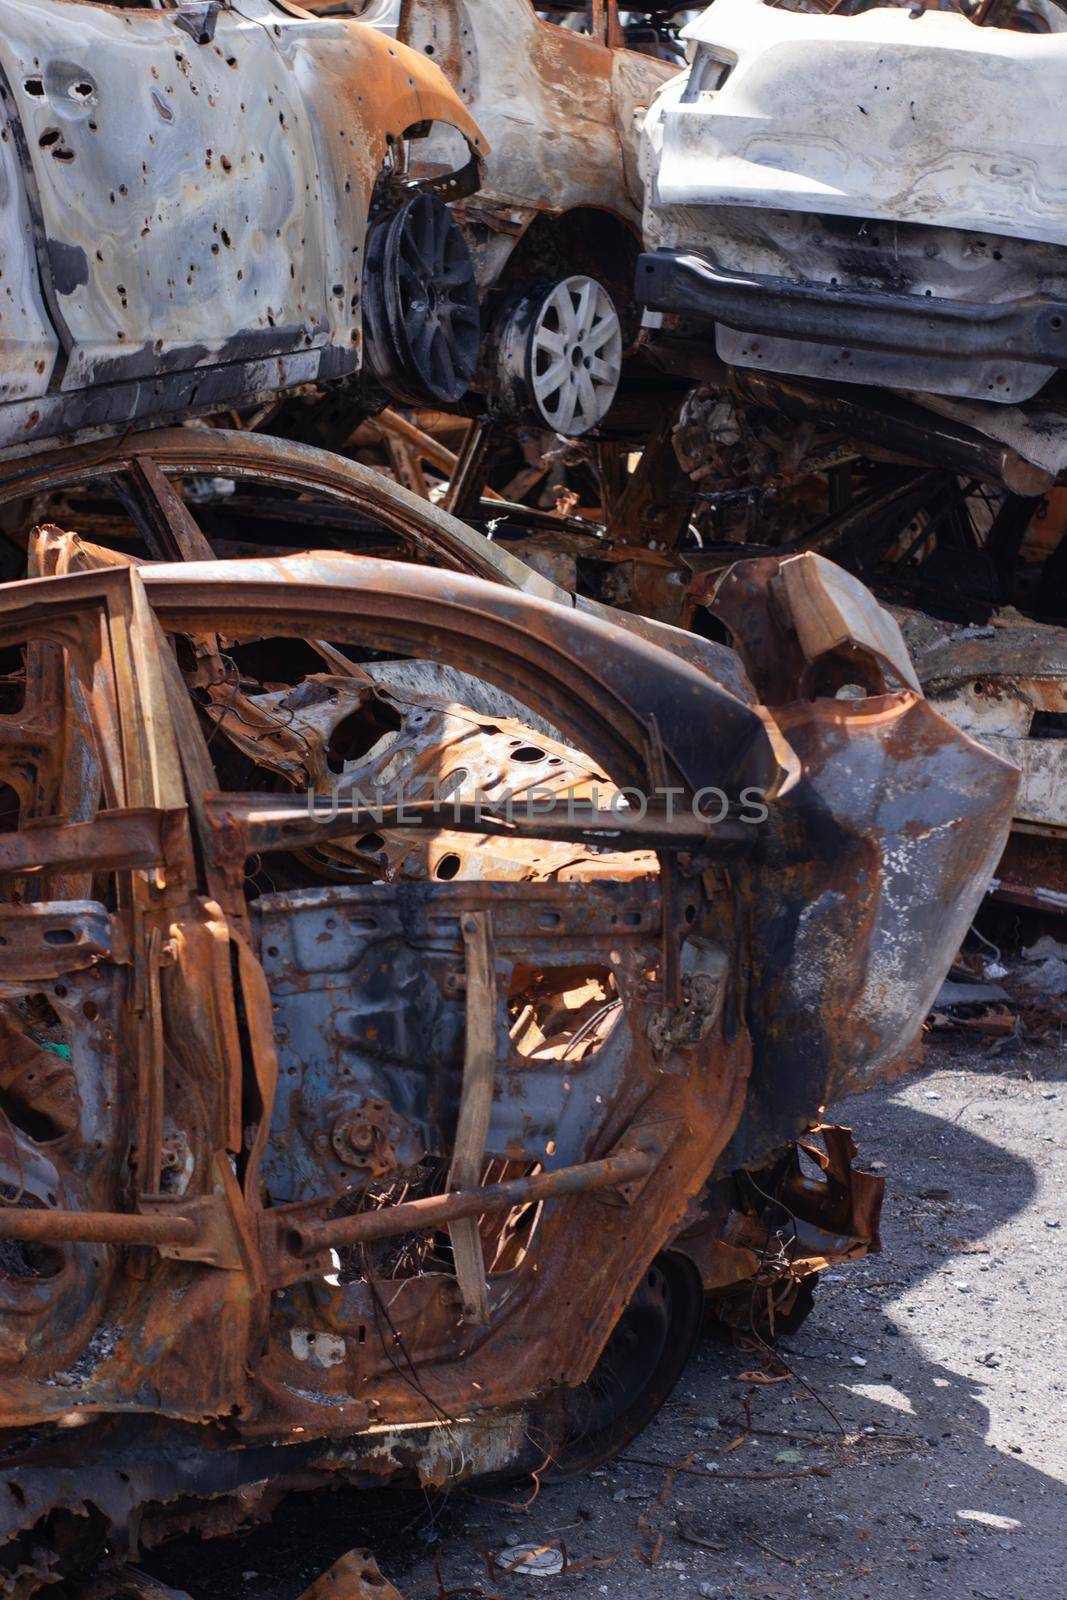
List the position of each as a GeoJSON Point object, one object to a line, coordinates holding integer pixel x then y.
{"type": "Point", "coordinates": [459, 1109]}
{"type": "Point", "coordinates": [421, 983]}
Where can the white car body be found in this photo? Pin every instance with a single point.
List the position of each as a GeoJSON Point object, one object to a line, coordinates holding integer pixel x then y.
{"type": "Point", "coordinates": [876, 199]}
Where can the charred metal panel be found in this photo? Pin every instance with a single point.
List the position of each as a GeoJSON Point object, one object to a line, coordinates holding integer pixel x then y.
{"type": "Point", "coordinates": [561, 110]}
{"type": "Point", "coordinates": [28, 341]}
{"type": "Point", "coordinates": [177, 184]}
{"type": "Point", "coordinates": [367, 989]}
{"type": "Point", "coordinates": [360, 92]}
{"type": "Point", "coordinates": [851, 926]}
{"type": "Point", "coordinates": [192, 208]}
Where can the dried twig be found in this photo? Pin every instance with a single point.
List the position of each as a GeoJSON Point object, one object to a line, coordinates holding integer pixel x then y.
{"type": "Point", "coordinates": [790, 1561]}
{"type": "Point", "coordinates": [728, 1477]}
{"type": "Point", "coordinates": [691, 1537]}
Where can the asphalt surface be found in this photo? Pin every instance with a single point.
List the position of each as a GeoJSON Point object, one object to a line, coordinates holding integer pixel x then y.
{"type": "Point", "coordinates": [921, 1449]}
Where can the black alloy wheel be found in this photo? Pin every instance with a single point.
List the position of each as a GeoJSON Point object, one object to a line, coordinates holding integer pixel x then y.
{"type": "Point", "coordinates": [421, 315]}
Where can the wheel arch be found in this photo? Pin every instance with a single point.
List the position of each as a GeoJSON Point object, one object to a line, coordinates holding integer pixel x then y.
{"type": "Point", "coordinates": [589, 239]}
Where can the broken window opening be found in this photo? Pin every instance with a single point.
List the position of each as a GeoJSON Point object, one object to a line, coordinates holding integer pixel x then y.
{"type": "Point", "coordinates": [563, 1014]}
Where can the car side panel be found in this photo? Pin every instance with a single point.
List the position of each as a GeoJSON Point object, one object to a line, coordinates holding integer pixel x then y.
{"type": "Point", "coordinates": [28, 341]}
{"type": "Point", "coordinates": [178, 188]}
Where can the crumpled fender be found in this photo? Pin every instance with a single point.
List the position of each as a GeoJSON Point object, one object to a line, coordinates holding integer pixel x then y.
{"type": "Point", "coordinates": [869, 869]}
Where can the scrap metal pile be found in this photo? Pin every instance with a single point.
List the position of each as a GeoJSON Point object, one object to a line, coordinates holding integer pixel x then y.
{"type": "Point", "coordinates": [511, 538]}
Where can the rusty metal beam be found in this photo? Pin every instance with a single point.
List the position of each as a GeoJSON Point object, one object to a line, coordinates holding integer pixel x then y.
{"type": "Point", "coordinates": [127, 837]}
{"type": "Point", "coordinates": [475, 1109]}
{"type": "Point", "coordinates": [247, 824]}
{"type": "Point", "coordinates": [472, 464]}
{"type": "Point", "coordinates": [440, 1210]}
{"type": "Point", "coordinates": [40, 1226]}
{"type": "Point", "coordinates": [390, 425]}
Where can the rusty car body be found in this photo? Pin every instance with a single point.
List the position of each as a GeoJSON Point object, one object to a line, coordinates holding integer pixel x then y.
{"type": "Point", "coordinates": [209, 204]}
{"type": "Point", "coordinates": [413, 1107]}
{"type": "Point", "coordinates": [556, 223]}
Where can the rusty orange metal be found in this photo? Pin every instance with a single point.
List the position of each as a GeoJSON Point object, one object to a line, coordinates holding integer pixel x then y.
{"type": "Point", "coordinates": [274, 1020]}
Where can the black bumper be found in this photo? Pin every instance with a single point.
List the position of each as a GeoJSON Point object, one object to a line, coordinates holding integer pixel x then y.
{"type": "Point", "coordinates": [1029, 329]}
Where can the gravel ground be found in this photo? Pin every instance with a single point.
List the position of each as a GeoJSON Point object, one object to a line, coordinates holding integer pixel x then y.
{"type": "Point", "coordinates": [923, 1453]}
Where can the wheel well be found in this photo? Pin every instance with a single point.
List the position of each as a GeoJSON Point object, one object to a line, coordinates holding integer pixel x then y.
{"type": "Point", "coordinates": [597, 243]}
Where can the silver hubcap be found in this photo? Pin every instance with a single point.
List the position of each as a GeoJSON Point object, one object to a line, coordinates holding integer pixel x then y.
{"type": "Point", "coordinates": [576, 355]}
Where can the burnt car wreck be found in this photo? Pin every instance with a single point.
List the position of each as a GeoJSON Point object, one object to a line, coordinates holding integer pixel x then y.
{"type": "Point", "coordinates": [532, 572]}
{"type": "Point", "coordinates": [407, 1113]}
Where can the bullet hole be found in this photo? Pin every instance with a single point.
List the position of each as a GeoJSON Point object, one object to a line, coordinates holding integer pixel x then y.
{"type": "Point", "coordinates": [214, 249]}
{"type": "Point", "coordinates": [231, 61]}
{"type": "Point", "coordinates": [49, 137]}
{"type": "Point", "coordinates": [161, 106]}
{"type": "Point", "coordinates": [34, 86]}
{"type": "Point", "coordinates": [429, 49]}
{"type": "Point", "coordinates": [224, 236]}
{"type": "Point", "coordinates": [92, 127]}
{"type": "Point", "coordinates": [227, 164]}
{"type": "Point", "coordinates": [61, 153]}
{"type": "Point", "coordinates": [81, 91]}
{"type": "Point", "coordinates": [123, 189]}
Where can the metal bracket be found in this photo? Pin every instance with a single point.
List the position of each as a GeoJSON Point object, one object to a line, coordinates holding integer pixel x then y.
{"type": "Point", "coordinates": [217, 1241]}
